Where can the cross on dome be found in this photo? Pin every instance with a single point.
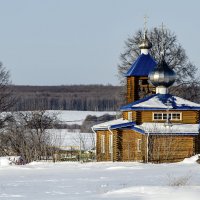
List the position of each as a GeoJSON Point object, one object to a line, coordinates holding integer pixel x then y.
{"type": "Point", "coordinates": [145, 24]}
{"type": "Point", "coordinates": [145, 44]}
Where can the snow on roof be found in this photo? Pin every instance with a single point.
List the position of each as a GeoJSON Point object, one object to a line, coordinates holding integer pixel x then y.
{"type": "Point", "coordinates": [162, 102]}
{"type": "Point", "coordinates": [153, 128]}
{"type": "Point", "coordinates": [162, 128]}
{"type": "Point", "coordinates": [142, 66]}
{"type": "Point", "coordinates": [118, 123]}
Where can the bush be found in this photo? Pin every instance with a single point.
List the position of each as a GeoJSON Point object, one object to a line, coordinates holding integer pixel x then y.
{"type": "Point", "coordinates": [179, 181]}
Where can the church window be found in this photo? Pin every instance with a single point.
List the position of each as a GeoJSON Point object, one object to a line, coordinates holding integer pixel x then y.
{"type": "Point", "coordinates": [157, 116]}
{"type": "Point", "coordinates": [130, 116]}
{"type": "Point", "coordinates": [165, 116]}
{"type": "Point", "coordinates": [102, 143]}
{"type": "Point", "coordinates": [176, 116]}
{"type": "Point", "coordinates": [139, 145]}
{"type": "Point", "coordinates": [110, 143]}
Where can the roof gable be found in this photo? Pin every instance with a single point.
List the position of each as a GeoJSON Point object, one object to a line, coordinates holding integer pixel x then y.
{"type": "Point", "coordinates": [142, 66]}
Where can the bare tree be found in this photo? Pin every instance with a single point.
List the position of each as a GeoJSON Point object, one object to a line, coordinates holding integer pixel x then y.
{"type": "Point", "coordinates": [81, 140]}
{"type": "Point", "coordinates": [39, 122]}
{"type": "Point", "coordinates": [6, 98]}
{"type": "Point", "coordinates": [174, 53]}
{"type": "Point", "coordinates": [86, 142]}
{"type": "Point", "coordinates": [27, 135]}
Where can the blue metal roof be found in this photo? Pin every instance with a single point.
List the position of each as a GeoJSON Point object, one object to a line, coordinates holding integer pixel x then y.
{"type": "Point", "coordinates": [142, 66]}
{"type": "Point", "coordinates": [138, 130]}
{"type": "Point", "coordinates": [124, 125]}
{"type": "Point", "coordinates": [161, 103]}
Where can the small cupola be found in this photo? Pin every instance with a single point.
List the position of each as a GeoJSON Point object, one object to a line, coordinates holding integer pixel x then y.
{"type": "Point", "coordinates": [145, 44]}
{"type": "Point", "coordinates": [162, 77]}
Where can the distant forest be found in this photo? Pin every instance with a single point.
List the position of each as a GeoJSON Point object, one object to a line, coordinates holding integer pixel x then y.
{"type": "Point", "coordinates": [73, 97]}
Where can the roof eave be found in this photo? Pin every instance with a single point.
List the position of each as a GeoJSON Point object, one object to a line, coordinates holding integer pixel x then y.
{"type": "Point", "coordinates": [150, 108]}
{"type": "Point", "coordinates": [116, 126]}
{"type": "Point", "coordinates": [171, 134]}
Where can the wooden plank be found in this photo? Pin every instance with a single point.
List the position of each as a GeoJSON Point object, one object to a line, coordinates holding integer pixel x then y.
{"type": "Point", "coordinates": [164, 148]}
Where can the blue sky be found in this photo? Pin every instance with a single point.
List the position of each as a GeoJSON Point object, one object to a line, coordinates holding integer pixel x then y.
{"type": "Point", "coordinates": [62, 42]}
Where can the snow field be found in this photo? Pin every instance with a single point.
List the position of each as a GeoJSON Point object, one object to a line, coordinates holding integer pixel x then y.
{"type": "Point", "coordinates": [106, 180]}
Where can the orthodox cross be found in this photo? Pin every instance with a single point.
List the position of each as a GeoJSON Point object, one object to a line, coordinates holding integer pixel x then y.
{"type": "Point", "coordinates": [162, 38]}
{"type": "Point", "coordinates": [145, 24]}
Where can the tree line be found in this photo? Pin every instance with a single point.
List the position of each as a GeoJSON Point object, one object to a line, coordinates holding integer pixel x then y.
{"type": "Point", "coordinates": [73, 97]}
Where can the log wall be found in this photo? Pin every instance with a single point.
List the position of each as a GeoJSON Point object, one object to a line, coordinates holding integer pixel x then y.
{"type": "Point", "coordinates": [132, 89]}
{"type": "Point", "coordinates": [188, 117]}
{"type": "Point", "coordinates": [163, 148]}
{"type": "Point", "coordinates": [130, 151]}
{"type": "Point", "coordinates": [125, 146]}
{"type": "Point", "coordinates": [134, 115]}
{"type": "Point", "coordinates": [138, 88]}
{"type": "Point", "coordinates": [170, 148]}
{"type": "Point", "coordinates": [102, 156]}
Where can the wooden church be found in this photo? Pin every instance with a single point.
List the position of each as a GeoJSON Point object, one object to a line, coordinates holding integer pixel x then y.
{"type": "Point", "coordinates": [155, 125]}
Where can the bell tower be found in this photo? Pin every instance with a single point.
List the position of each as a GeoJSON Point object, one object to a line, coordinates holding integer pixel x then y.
{"type": "Point", "coordinates": [137, 76]}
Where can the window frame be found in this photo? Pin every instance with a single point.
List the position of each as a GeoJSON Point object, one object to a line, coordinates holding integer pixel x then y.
{"type": "Point", "coordinates": [102, 143]}
{"type": "Point", "coordinates": [130, 116]}
{"type": "Point", "coordinates": [162, 118]}
{"type": "Point", "coordinates": [139, 145]}
{"type": "Point", "coordinates": [110, 143]}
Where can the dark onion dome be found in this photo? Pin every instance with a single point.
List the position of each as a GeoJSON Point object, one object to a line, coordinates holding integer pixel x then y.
{"type": "Point", "coordinates": [145, 44]}
{"type": "Point", "coordinates": [162, 75]}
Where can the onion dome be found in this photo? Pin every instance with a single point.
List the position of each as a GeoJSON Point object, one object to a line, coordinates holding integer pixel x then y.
{"type": "Point", "coordinates": [145, 44]}
{"type": "Point", "coordinates": [162, 75]}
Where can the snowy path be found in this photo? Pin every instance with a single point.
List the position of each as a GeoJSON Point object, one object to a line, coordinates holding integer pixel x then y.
{"type": "Point", "coordinates": [91, 181]}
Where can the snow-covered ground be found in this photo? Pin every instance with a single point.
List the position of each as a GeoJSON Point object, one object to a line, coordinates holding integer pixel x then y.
{"type": "Point", "coordinates": [93, 181]}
